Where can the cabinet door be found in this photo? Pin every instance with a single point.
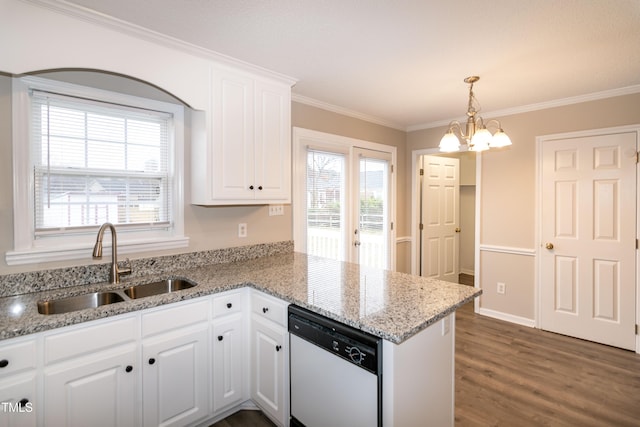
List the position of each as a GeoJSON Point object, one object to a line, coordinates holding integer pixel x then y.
{"type": "Point", "coordinates": [175, 377]}
{"type": "Point", "coordinates": [273, 142]}
{"type": "Point", "coordinates": [232, 148]}
{"type": "Point", "coordinates": [228, 361]}
{"type": "Point", "coordinates": [17, 394]}
{"type": "Point", "coordinates": [268, 363]}
{"type": "Point", "coordinates": [96, 390]}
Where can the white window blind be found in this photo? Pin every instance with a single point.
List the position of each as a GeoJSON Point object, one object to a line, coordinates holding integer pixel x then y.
{"type": "Point", "coordinates": [96, 162]}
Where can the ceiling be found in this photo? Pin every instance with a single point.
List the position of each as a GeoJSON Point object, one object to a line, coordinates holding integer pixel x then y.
{"type": "Point", "coordinates": [402, 62]}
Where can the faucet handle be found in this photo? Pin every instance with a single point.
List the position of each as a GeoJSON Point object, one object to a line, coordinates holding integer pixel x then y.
{"type": "Point", "coordinates": [127, 269]}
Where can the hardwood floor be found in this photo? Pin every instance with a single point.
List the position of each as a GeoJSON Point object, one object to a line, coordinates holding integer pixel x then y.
{"type": "Point", "coordinates": [511, 375]}
{"type": "Point", "coordinates": [245, 418]}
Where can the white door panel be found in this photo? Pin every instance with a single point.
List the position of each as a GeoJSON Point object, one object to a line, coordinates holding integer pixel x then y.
{"type": "Point", "coordinates": [588, 263]}
{"type": "Point", "coordinates": [440, 218]}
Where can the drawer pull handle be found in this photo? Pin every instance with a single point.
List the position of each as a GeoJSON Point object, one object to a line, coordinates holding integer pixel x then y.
{"type": "Point", "coordinates": [265, 309]}
{"type": "Point", "coordinates": [229, 305]}
{"type": "Point", "coordinates": [23, 402]}
{"type": "Point", "coordinates": [220, 337]}
{"type": "Point", "coordinates": [278, 347]}
{"type": "Point", "coordinates": [4, 363]}
{"type": "Point", "coordinates": [152, 361]}
{"type": "Point", "coordinates": [129, 368]}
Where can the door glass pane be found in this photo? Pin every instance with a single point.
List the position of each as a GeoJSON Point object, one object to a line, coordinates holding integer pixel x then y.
{"type": "Point", "coordinates": [373, 212]}
{"type": "Point", "coordinates": [325, 204]}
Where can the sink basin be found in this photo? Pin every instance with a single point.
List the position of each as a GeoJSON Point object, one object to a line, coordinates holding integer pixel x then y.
{"type": "Point", "coordinates": [97, 299]}
{"type": "Point", "coordinates": [157, 288]}
{"type": "Point", "coordinates": [80, 302]}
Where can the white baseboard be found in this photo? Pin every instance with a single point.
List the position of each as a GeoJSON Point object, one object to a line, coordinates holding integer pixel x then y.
{"type": "Point", "coordinates": [465, 271]}
{"type": "Point", "coordinates": [507, 317]}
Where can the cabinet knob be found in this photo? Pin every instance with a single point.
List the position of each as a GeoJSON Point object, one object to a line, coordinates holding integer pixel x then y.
{"type": "Point", "coordinates": [152, 361]}
{"type": "Point", "coordinates": [251, 187]}
{"type": "Point", "coordinates": [23, 402]}
{"type": "Point", "coordinates": [220, 337]}
{"type": "Point", "coordinates": [4, 363]}
{"type": "Point", "coordinates": [278, 347]}
{"type": "Point", "coordinates": [260, 188]}
{"type": "Point", "coordinates": [229, 305]}
{"type": "Point", "coordinates": [129, 368]}
{"type": "Point", "coordinates": [265, 309]}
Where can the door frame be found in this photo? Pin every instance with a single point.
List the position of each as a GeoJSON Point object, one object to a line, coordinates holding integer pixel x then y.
{"type": "Point", "coordinates": [538, 214]}
{"type": "Point", "coordinates": [303, 137]}
{"type": "Point", "coordinates": [415, 214]}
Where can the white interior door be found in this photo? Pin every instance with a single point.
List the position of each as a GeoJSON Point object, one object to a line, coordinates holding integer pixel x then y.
{"type": "Point", "coordinates": [588, 255]}
{"type": "Point", "coordinates": [440, 218]}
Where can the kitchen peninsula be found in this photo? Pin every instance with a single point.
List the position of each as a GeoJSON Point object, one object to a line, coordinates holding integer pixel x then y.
{"type": "Point", "coordinates": [412, 314]}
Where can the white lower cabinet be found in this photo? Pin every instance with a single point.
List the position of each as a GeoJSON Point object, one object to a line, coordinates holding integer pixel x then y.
{"type": "Point", "coordinates": [18, 382]}
{"type": "Point", "coordinates": [90, 375]}
{"type": "Point", "coordinates": [17, 394]}
{"type": "Point", "coordinates": [175, 377]}
{"type": "Point", "coordinates": [269, 357]}
{"type": "Point", "coordinates": [229, 355]}
{"type": "Point", "coordinates": [175, 365]}
{"type": "Point", "coordinates": [97, 390]}
{"type": "Point", "coordinates": [175, 357]}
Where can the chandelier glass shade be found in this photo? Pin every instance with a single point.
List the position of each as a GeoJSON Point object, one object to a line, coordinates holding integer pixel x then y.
{"type": "Point", "coordinates": [476, 135]}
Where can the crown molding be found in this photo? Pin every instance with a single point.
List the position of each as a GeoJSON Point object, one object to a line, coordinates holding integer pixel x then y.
{"type": "Point", "coordinates": [628, 90]}
{"type": "Point", "coordinates": [92, 16]}
{"type": "Point", "coordinates": [88, 15]}
{"type": "Point", "coordinates": [345, 111]}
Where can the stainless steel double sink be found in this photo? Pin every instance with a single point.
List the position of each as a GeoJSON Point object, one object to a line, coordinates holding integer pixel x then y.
{"type": "Point", "coordinates": [101, 298]}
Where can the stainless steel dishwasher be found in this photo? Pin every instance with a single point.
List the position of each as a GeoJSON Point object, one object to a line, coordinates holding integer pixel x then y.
{"type": "Point", "coordinates": [335, 373]}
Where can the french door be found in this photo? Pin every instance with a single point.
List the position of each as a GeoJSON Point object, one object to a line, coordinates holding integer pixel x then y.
{"type": "Point", "coordinates": [371, 224]}
{"type": "Point", "coordinates": [347, 203]}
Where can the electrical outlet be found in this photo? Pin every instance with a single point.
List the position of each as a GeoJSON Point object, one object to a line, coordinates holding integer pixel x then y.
{"type": "Point", "coordinates": [501, 288]}
{"type": "Point", "coordinates": [275, 210]}
{"type": "Point", "coordinates": [242, 230]}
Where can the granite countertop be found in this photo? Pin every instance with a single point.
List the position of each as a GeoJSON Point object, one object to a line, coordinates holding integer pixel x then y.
{"type": "Point", "coordinates": [393, 306]}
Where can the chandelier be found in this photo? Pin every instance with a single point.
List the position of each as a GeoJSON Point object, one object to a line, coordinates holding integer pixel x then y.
{"type": "Point", "coordinates": [477, 136]}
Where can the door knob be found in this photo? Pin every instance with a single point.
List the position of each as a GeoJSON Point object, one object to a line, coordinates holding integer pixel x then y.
{"type": "Point", "coordinates": [549, 245]}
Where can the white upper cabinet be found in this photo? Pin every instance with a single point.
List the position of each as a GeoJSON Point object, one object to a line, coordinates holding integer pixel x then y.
{"type": "Point", "coordinates": [241, 117]}
{"type": "Point", "coordinates": [241, 153]}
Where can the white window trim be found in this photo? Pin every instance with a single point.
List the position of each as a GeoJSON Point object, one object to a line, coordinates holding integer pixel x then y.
{"type": "Point", "coordinates": [303, 138]}
{"type": "Point", "coordinates": [28, 250]}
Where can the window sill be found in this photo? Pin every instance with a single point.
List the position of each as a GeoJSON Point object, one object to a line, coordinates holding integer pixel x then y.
{"type": "Point", "coordinates": [39, 255]}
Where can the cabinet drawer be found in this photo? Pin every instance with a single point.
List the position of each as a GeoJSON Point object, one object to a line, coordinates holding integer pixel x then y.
{"type": "Point", "coordinates": [269, 307]}
{"type": "Point", "coordinates": [228, 303]}
{"type": "Point", "coordinates": [17, 357]}
{"type": "Point", "coordinates": [165, 319]}
{"type": "Point", "coordinates": [86, 339]}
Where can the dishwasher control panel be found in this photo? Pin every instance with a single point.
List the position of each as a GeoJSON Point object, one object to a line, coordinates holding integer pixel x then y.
{"type": "Point", "coordinates": [351, 344]}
